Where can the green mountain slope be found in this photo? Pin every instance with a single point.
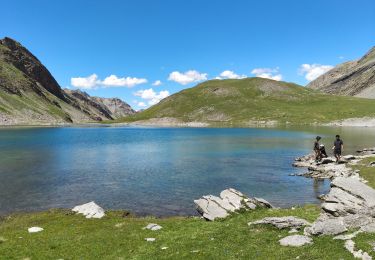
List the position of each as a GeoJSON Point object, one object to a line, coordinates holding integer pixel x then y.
{"type": "Point", "coordinates": [247, 101]}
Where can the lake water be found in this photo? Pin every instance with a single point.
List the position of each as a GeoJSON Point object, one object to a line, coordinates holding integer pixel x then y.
{"type": "Point", "coordinates": [157, 171]}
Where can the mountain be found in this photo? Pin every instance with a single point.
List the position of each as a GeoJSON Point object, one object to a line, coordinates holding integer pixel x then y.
{"type": "Point", "coordinates": [100, 108]}
{"type": "Point", "coordinates": [29, 94]}
{"type": "Point", "coordinates": [353, 78]}
{"type": "Point", "coordinates": [252, 101]}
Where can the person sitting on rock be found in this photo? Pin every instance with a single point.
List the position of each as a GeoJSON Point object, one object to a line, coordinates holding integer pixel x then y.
{"type": "Point", "coordinates": [338, 147]}
{"type": "Point", "coordinates": [318, 155]}
{"type": "Point", "coordinates": [322, 149]}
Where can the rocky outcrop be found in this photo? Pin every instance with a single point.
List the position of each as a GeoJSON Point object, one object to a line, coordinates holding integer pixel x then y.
{"type": "Point", "coordinates": [353, 78]}
{"type": "Point", "coordinates": [212, 207]}
{"type": "Point", "coordinates": [327, 168]}
{"type": "Point", "coordinates": [90, 210]}
{"type": "Point", "coordinates": [283, 222]}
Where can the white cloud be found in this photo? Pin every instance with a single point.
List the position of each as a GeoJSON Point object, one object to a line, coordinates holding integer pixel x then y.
{"type": "Point", "coordinates": [187, 77]}
{"type": "Point", "coordinates": [114, 81]}
{"type": "Point", "coordinates": [141, 104]}
{"type": "Point", "coordinates": [267, 73]}
{"type": "Point", "coordinates": [229, 74]}
{"type": "Point", "coordinates": [157, 83]}
{"type": "Point", "coordinates": [312, 71]}
{"type": "Point", "coordinates": [85, 83]}
{"type": "Point", "coordinates": [151, 96]}
{"type": "Point", "coordinates": [93, 81]}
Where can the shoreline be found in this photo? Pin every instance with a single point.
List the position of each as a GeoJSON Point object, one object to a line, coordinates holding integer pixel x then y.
{"type": "Point", "coordinates": [365, 122]}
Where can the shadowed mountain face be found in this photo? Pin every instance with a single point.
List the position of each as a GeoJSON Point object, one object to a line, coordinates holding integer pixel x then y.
{"type": "Point", "coordinates": [353, 78]}
{"type": "Point", "coordinates": [29, 94]}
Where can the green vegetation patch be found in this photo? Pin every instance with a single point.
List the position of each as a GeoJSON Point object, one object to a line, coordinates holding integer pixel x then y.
{"type": "Point", "coordinates": [70, 236]}
{"type": "Point", "coordinates": [238, 102]}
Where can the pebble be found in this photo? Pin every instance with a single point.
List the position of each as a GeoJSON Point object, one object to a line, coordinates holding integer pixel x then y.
{"type": "Point", "coordinates": [35, 229]}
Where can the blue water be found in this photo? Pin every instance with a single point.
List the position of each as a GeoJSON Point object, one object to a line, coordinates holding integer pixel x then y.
{"type": "Point", "coordinates": [150, 171]}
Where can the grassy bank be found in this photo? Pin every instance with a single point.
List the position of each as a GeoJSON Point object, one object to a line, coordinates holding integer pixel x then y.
{"type": "Point", "coordinates": [70, 236]}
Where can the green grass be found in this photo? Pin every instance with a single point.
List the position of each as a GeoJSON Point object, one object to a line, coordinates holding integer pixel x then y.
{"type": "Point", "coordinates": [239, 101]}
{"type": "Point", "coordinates": [366, 171]}
{"type": "Point", "coordinates": [70, 236]}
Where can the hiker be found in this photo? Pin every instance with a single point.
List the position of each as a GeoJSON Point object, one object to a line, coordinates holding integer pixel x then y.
{"type": "Point", "coordinates": [318, 155]}
{"type": "Point", "coordinates": [338, 147]}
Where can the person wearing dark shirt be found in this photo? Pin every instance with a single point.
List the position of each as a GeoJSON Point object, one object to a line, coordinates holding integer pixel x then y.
{"type": "Point", "coordinates": [338, 147]}
{"type": "Point", "coordinates": [318, 155]}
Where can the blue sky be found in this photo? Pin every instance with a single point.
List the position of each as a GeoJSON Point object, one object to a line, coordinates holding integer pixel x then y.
{"type": "Point", "coordinates": [139, 42]}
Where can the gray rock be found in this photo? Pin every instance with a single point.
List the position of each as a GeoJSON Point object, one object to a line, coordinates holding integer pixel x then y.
{"type": "Point", "coordinates": [230, 200]}
{"type": "Point", "coordinates": [356, 188]}
{"type": "Point", "coordinates": [283, 222]}
{"type": "Point", "coordinates": [210, 209]}
{"type": "Point", "coordinates": [153, 227]}
{"type": "Point", "coordinates": [90, 210]}
{"type": "Point", "coordinates": [295, 240]}
{"type": "Point", "coordinates": [330, 226]}
{"type": "Point", "coordinates": [263, 202]}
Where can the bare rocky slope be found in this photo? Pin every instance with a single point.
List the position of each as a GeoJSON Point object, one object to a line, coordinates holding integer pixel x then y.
{"type": "Point", "coordinates": [29, 94]}
{"type": "Point", "coordinates": [353, 78]}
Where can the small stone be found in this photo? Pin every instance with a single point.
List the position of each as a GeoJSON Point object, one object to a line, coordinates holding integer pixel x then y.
{"type": "Point", "coordinates": [295, 240]}
{"type": "Point", "coordinates": [195, 251]}
{"type": "Point", "coordinates": [35, 229]}
{"type": "Point", "coordinates": [150, 239]}
{"type": "Point", "coordinates": [2, 240]}
{"type": "Point", "coordinates": [164, 248]}
{"type": "Point", "coordinates": [153, 227]}
{"type": "Point", "coordinates": [293, 230]}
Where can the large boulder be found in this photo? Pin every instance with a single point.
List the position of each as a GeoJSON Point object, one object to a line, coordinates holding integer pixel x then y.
{"type": "Point", "coordinates": [326, 226]}
{"type": "Point", "coordinates": [90, 210]}
{"type": "Point", "coordinates": [212, 207]}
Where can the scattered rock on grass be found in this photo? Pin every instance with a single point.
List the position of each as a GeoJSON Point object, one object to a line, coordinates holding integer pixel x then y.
{"type": "Point", "coordinates": [153, 227]}
{"type": "Point", "coordinates": [35, 229]}
{"type": "Point", "coordinates": [350, 246]}
{"type": "Point", "coordinates": [282, 222]}
{"type": "Point", "coordinates": [150, 239]}
{"type": "Point", "coordinates": [295, 240]}
{"type": "Point", "coordinates": [90, 210]}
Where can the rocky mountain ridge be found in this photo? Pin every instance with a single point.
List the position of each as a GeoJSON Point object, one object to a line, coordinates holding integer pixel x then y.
{"type": "Point", "coordinates": [29, 94]}
{"type": "Point", "coordinates": [352, 78]}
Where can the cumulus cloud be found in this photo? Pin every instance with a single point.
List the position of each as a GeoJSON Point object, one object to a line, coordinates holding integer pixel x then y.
{"type": "Point", "coordinates": [157, 83]}
{"type": "Point", "coordinates": [268, 73]}
{"type": "Point", "coordinates": [312, 71]}
{"type": "Point", "coordinates": [93, 81]}
{"type": "Point", "coordinates": [152, 97]}
{"type": "Point", "coordinates": [114, 81]}
{"type": "Point", "coordinates": [85, 83]}
{"type": "Point", "coordinates": [229, 74]}
{"type": "Point", "coordinates": [187, 77]}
